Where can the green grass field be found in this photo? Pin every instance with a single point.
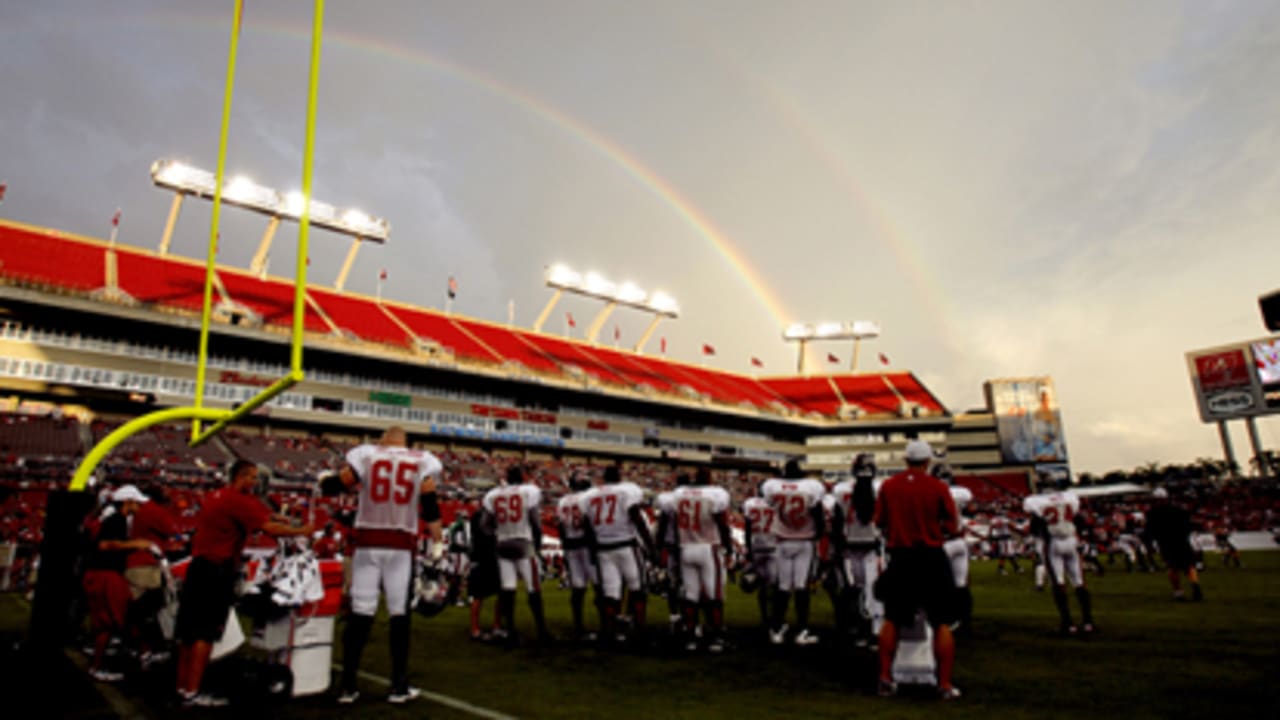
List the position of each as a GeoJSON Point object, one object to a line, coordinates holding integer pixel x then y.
{"type": "Point", "coordinates": [1152, 658]}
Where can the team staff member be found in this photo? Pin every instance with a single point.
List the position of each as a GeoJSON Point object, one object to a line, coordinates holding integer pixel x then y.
{"type": "Point", "coordinates": [916, 514]}
{"type": "Point", "coordinates": [106, 590]}
{"type": "Point", "coordinates": [396, 485]}
{"type": "Point", "coordinates": [1170, 527]}
{"type": "Point", "coordinates": [223, 525]}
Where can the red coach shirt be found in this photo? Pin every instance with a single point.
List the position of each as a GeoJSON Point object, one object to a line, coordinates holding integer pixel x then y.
{"type": "Point", "coordinates": [915, 509]}
{"type": "Point", "coordinates": [224, 524]}
{"type": "Point", "coordinates": [153, 522]}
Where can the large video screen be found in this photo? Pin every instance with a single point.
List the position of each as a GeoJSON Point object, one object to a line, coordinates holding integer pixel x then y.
{"type": "Point", "coordinates": [1028, 421]}
{"type": "Point", "coordinates": [1266, 358]}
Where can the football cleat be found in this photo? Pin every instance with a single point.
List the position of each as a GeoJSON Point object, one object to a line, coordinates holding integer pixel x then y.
{"type": "Point", "coordinates": [346, 697]}
{"type": "Point", "coordinates": [779, 636]}
{"type": "Point", "coordinates": [804, 637]}
{"type": "Point", "coordinates": [950, 693]}
{"type": "Point", "coordinates": [403, 695]}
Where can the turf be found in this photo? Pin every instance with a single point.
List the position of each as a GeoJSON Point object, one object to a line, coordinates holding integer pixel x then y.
{"type": "Point", "coordinates": [1152, 658]}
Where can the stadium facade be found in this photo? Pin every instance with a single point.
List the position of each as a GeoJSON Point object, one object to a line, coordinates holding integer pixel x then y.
{"type": "Point", "coordinates": [97, 327]}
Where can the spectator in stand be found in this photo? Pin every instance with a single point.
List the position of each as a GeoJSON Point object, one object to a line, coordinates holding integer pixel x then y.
{"type": "Point", "coordinates": [223, 526]}
{"type": "Point", "coordinates": [106, 590]}
{"type": "Point", "coordinates": [915, 514]}
{"type": "Point", "coordinates": [1169, 526]}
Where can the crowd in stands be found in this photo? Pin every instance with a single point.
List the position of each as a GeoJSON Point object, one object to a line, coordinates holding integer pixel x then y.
{"type": "Point", "coordinates": [40, 453]}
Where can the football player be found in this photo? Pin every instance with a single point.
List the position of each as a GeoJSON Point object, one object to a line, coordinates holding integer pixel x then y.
{"type": "Point", "coordinates": [1056, 512]}
{"type": "Point", "coordinates": [577, 556]}
{"type": "Point", "coordinates": [702, 530]}
{"type": "Point", "coordinates": [762, 545]}
{"type": "Point", "coordinates": [515, 506]}
{"type": "Point", "coordinates": [669, 550]}
{"type": "Point", "coordinates": [396, 487]}
{"type": "Point", "coordinates": [957, 550]}
{"type": "Point", "coordinates": [857, 544]}
{"type": "Point", "coordinates": [1002, 545]}
{"type": "Point", "coordinates": [798, 503]}
{"type": "Point", "coordinates": [615, 524]}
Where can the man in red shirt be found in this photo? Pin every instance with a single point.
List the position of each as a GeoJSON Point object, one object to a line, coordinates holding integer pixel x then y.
{"type": "Point", "coordinates": [223, 526]}
{"type": "Point", "coordinates": [916, 514]}
{"type": "Point", "coordinates": [154, 524]}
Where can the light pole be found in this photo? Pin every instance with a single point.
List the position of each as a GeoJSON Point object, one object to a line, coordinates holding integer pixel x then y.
{"type": "Point", "coordinates": [805, 333]}
{"type": "Point", "coordinates": [562, 279]}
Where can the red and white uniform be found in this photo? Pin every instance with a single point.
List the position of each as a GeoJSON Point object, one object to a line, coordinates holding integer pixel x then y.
{"type": "Point", "coordinates": [796, 528]}
{"type": "Point", "coordinates": [386, 523]}
{"type": "Point", "coordinates": [698, 511]}
{"type": "Point", "coordinates": [514, 509]}
{"type": "Point", "coordinates": [957, 548]}
{"type": "Point", "coordinates": [1058, 510]}
{"type": "Point", "coordinates": [577, 556]}
{"type": "Point", "coordinates": [761, 517]}
{"type": "Point", "coordinates": [860, 561]}
{"type": "Point", "coordinates": [608, 512]}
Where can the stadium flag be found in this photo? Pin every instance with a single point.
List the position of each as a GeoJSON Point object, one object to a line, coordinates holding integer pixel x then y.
{"type": "Point", "coordinates": [757, 362]}
{"type": "Point", "coordinates": [3, 188]}
{"type": "Point", "coordinates": [115, 219]}
{"type": "Point", "coordinates": [884, 359]}
{"type": "Point", "coordinates": [708, 350]}
{"type": "Point", "coordinates": [569, 318]}
{"type": "Point", "coordinates": [617, 333]}
{"type": "Point", "coordinates": [382, 276]}
{"type": "Point", "coordinates": [663, 345]}
{"type": "Point", "coordinates": [831, 358]}
{"type": "Point", "coordinates": [453, 288]}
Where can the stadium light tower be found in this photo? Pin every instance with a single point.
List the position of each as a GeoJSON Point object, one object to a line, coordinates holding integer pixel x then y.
{"type": "Point", "coordinates": [593, 285]}
{"type": "Point", "coordinates": [242, 192]}
{"type": "Point", "coordinates": [857, 331]}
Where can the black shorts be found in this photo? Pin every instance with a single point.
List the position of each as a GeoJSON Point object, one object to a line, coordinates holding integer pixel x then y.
{"type": "Point", "coordinates": [1177, 555]}
{"type": "Point", "coordinates": [207, 594]}
{"type": "Point", "coordinates": [482, 580]}
{"type": "Point", "coordinates": [917, 578]}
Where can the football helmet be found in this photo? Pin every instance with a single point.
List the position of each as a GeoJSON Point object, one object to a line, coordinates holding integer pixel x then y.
{"type": "Point", "coordinates": [433, 589]}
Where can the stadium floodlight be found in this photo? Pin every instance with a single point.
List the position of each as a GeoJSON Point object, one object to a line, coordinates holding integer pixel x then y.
{"type": "Point", "coordinates": [242, 192]}
{"type": "Point", "coordinates": [564, 279]}
{"type": "Point", "coordinates": [857, 331]}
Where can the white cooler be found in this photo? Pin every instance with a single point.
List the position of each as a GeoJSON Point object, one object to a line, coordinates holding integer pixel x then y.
{"type": "Point", "coordinates": [305, 644]}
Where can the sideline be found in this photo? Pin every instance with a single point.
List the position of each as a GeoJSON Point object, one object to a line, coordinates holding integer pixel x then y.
{"type": "Point", "coordinates": [438, 698]}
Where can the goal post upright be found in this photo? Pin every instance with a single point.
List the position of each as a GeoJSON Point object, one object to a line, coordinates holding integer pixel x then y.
{"type": "Point", "coordinates": [198, 412]}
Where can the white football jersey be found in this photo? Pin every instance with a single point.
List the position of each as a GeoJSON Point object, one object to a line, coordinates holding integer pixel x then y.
{"type": "Point", "coordinates": [694, 509]}
{"type": "Point", "coordinates": [608, 510]}
{"type": "Point", "coordinates": [390, 482]}
{"type": "Point", "coordinates": [1058, 510]}
{"type": "Point", "coordinates": [854, 529]}
{"type": "Point", "coordinates": [761, 516]}
{"type": "Point", "coordinates": [569, 512]}
{"type": "Point", "coordinates": [510, 506]}
{"type": "Point", "coordinates": [794, 501]}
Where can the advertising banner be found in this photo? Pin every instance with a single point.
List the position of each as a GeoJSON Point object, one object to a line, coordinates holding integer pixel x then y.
{"type": "Point", "coordinates": [1238, 380]}
{"type": "Point", "coordinates": [1028, 421]}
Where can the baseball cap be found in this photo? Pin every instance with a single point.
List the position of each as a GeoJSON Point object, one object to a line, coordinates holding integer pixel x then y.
{"type": "Point", "coordinates": [129, 492]}
{"type": "Point", "coordinates": [1159, 493]}
{"type": "Point", "coordinates": [918, 451]}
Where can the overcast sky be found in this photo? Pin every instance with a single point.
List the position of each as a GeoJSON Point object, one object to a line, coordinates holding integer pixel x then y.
{"type": "Point", "coordinates": [1084, 190]}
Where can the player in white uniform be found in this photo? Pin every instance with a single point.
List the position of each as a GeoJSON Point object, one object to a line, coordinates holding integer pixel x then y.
{"type": "Point", "coordinates": [615, 524]}
{"type": "Point", "coordinates": [857, 546]}
{"type": "Point", "coordinates": [396, 486]}
{"type": "Point", "coordinates": [799, 522]}
{"type": "Point", "coordinates": [762, 544]}
{"type": "Point", "coordinates": [669, 550]}
{"type": "Point", "coordinates": [1056, 512]}
{"type": "Point", "coordinates": [577, 556]}
{"type": "Point", "coordinates": [957, 550]}
{"type": "Point", "coordinates": [1002, 546]}
{"type": "Point", "coordinates": [515, 506]}
{"type": "Point", "coordinates": [702, 530]}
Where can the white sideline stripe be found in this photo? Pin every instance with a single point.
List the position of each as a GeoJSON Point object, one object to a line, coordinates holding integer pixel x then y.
{"type": "Point", "coordinates": [438, 698]}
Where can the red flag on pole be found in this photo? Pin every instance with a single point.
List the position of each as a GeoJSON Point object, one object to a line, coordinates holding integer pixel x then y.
{"type": "Point", "coordinates": [708, 350]}
{"type": "Point", "coordinates": [3, 187]}
{"type": "Point", "coordinates": [664, 346]}
{"type": "Point", "coordinates": [756, 362]}
{"type": "Point", "coordinates": [617, 333]}
{"type": "Point", "coordinates": [831, 358]}
{"type": "Point", "coordinates": [382, 275]}
{"type": "Point", "coordinates": [115, 219]}
{"type": "Point", "coordinates": [453, 288]}
{"type": "Point", "coordinates": [569, 316]}
{"type": "Point", "coordinates": [884, 359]}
